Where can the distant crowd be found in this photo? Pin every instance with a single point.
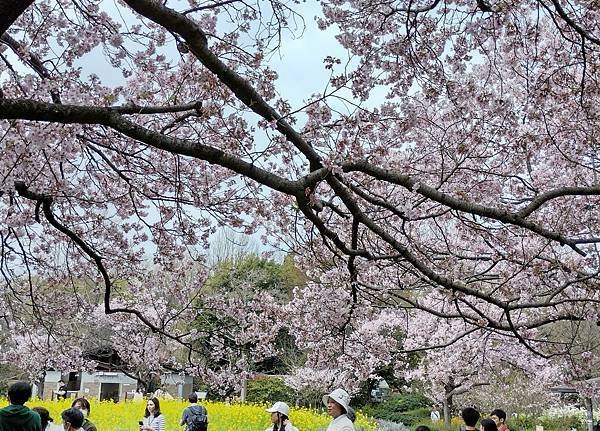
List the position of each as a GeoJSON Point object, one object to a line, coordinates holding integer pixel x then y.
{"type": "Point", "coordinates": [470, 416]}
{"type": "Point", "coordinates": [18, 417]}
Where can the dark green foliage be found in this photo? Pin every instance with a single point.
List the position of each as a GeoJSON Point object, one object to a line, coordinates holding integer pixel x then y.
{"type": "Point", "coordinates": [522, 423]}
{"type": "Point", "coordinates": [268, 390]}
{"type": "Point", "coordinates": [261, 275]}
{"type": "Point", "coordinates": [406, 408]}
{"type": "Point", "coordinates": [561, 423]}
{"type": "Point", "coordinates": [412, 417]}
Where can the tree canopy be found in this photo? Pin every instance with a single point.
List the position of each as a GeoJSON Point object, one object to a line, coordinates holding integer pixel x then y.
{"type": "Point", "coordinates": [448, 171]}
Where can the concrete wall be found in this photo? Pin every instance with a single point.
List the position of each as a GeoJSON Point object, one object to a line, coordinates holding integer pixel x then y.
{"type": "Point", "coordinates": [91, 384]}
{"type": "Point", "coordinates": [179, 386]}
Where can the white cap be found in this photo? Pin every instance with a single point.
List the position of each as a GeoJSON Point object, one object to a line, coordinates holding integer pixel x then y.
{"type": "Point", "coordinates": [280, 407]}
{"type": "Point", "coordinates": [340, 396]}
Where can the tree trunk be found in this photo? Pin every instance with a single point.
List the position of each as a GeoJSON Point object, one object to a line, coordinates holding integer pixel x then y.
{"type": "Point", "coordinates": [447, 410]}
{"type": "Point", "coordinates": [590, 413]}
{"type": "Point", "coordinates": [244, 389]}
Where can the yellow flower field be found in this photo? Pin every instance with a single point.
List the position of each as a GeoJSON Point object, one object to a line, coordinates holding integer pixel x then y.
{"type": "Point", "coordinates": [108, 416]}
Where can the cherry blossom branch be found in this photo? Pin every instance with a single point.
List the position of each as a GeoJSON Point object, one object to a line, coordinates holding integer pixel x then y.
{"type": "Point", "coordinates": [542, 198]}
{"type": "Point", "coordinates": [68, 114]}
{"type": "Point", "coordinates": [46, 203]}
{"type": "Point", "coordinates": [196, 39]}
{"type": "Point", "coordinates": [21, 51]}
{"type": "Point", "coordinates": [461, 205]}
{"type": "Point", "coordinates": [133, 108]}
{"type": "Point", "coordinates": [210, 6]}
{"type": "Point", "coordinates": [582, 32]}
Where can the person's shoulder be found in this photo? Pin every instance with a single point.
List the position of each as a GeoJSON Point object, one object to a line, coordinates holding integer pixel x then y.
{"type": "Point", "coordinates": [346, 424]}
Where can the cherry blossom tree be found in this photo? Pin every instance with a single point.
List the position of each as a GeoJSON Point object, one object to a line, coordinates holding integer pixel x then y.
{"type": "Point", "coordinates": [474, 176]}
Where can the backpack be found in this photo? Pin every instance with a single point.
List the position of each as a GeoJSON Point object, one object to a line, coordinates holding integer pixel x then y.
{"type": "Point", "coordinates": [198, 420]}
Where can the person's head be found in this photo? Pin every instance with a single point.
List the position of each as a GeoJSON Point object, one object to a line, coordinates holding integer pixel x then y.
{"type": "Point", "coordinates": [193, 397]}
{"type": "Point", "coordinates": [488, 425]}
{"type": "Point", "coordinates": [44, 415]}
{"type": "Point", "coordinates": [280, 412]}
{"type": "Point", "coordinates": [470, 416]}
{"type": "Point", "coordinates": [83, 405]}
{"type": "Point", "coordinates": [337, 402]}
{"type": "Point", "coordinates": [72, 419]}
{"type": "Point", "coordinates": [422, 428]}
{"type": "Point", "coordinates": [19, 393]}
{"type": "Point", "coordinates": [498, 416]}
{"type": "Point", "coordinates": [152, 407]}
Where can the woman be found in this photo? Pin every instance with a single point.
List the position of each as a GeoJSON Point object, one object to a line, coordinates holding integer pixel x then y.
{"type": "Point", "coordinates": [488, 425]}
{"type": "Point", "coordinates": [338, 407]}
{"type": "Point", "coordinates": [280, 413]}
{"type": "Point", "coordinates": [84, 405]}
{"type": "Point", "coordinates": [47, 421]}
{"type": "Point", "coordinates": [153, 418]}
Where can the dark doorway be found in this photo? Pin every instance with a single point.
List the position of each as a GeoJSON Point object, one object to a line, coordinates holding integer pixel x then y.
{"type": "Point", "coordinates": [109, 391]}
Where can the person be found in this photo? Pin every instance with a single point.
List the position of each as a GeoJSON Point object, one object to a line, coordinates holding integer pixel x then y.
{"type": "Point", "coordinates": [488, 425]}
{"type": "Point", "coordinates": [154, 420]}
{"type": "Point", "coordinates": [47, 421]}
{"type": "Point", "coordinates": [72, 419]}
{"type": "Point", "coordinates": [422, 428]}
{"type": "Point", "coordinates": [280, 414]}
{"type": "Point", "coordinates": [499, 416]}
{"type": "Point", "coordinates": [194, 416]}
{"type": "Point", "coordinates": [163, 393]}
{"type": "Point", "coordinates": [435, 415]}
{"type": "Point", "coordinates": [61, 392]}
{"type": "Point", "coordinates": [470, 416]}
{"type": "Point", "coordinates": [84, 405]}
{"type": "Point", "coordinates": [338, 407]}
{"type": "Point", "coordinates": [16, 416]}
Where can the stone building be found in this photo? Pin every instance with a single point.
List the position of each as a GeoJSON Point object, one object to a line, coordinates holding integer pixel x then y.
{"type": "Point", "coordinates": [109, 385]}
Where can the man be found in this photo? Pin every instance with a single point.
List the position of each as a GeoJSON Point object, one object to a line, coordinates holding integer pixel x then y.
{"type": "Point", "coordinates": [61, 392]}
{"type": "Point", "coordinates": [72, 419]}
{"type": "Point", "coordinates": [194, 417]}
{"type": "Point", "coordinates": [499, 416]}
{"type": "Point", "coordinates": [435, 415]}
{"type": "Point", "coordinates": [16, 416]}
{"type": "Point", "coordinates": [470, 416]}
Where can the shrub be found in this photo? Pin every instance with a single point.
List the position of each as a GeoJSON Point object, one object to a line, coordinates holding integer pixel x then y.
{"type": "Point", "coordinates": [268, 390]}
{"type": "Point", "coordinates": [405, 408]}
{"type": "Point", "coordinates": [562, 423]}
{"type": "Point", "coordinates": [412, 417]}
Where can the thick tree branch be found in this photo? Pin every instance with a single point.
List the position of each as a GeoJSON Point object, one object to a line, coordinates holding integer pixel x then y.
{"type": "Point", "coordinates": [197, 41]}
{"type": "Point", "coordinates": [571, 23]}
{"type": "Point", "coordinates": [72, 114]}
{"type": "Point", "coordinates": [542, 198]}
{"type": "Point", "coordinates": [10, 10]}
{"type": "Point", "coordinates": [501, 215]}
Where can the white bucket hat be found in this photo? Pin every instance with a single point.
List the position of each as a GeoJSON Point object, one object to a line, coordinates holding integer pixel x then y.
{"type": "Point", "coordinates": [280, 407]}
{"type": "Point", "coordinates": [340, 396]}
